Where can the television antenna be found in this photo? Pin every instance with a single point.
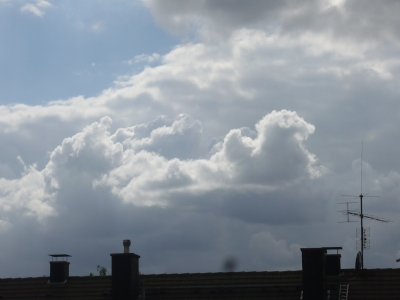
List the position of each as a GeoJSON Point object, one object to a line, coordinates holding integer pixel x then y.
{"type": "Point", "coordinates": [362, 234]}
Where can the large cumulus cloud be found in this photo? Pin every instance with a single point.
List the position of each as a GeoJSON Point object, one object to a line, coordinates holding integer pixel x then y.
{"type": "Point", "coordinates": [141, 166]}
{"type": "Point", "coordinates": [95, 178]}
{"type": "Point", "coordinates": [276, 157]}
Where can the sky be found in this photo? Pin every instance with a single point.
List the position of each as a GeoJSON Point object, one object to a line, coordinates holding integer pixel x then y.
{"type": "Point", "coordinates": [204, 131]}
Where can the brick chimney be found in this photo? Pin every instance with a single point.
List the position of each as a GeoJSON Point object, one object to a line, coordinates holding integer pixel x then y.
{"type": "Point", "coordinates": [332, 264]}
{"type": "Point", "coordinates": [314, 277]}
{"type": "Point", "coordinates": [317, 264]}
{"type": "Point", "coordinates": [125, 274]}
{"type": "Point", "coordinates": [59, 269]}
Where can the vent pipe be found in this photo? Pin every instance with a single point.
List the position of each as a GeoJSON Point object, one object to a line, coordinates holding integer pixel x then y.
{"type": "Point", "coordinates": [126, 244]}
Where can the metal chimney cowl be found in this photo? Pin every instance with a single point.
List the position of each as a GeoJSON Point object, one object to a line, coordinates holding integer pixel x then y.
{"type": "Point", "coordinates": [126, 244]}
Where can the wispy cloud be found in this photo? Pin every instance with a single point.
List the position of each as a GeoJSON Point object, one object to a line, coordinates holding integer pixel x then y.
{"type": "Point", "coordinates": [144, 58]}
{"type": "Point", "coordinates": [43, 3]}
{"type": "Point", "coordinates": [97, 26]}
{"type": "Point", "coordinates": [37, 9]}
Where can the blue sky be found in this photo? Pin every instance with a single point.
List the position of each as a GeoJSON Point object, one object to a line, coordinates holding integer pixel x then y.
{"type": "Point", "coordinates": [74, 48]}
{"type": "Point", "coordinates": [200, 130]}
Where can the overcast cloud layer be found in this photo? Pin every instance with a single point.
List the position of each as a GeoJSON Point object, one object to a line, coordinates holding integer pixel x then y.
{"type": "Point", "coordinates": [237, 143]}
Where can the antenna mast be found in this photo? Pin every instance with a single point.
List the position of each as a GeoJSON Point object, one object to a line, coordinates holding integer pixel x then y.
{"type": "Point", "coordinates": [364, 232]}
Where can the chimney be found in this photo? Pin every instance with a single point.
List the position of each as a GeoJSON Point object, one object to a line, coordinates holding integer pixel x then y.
{"type": "Point", "coordinates": [332, 264]}
{"type": "Point", "coordinates": [125, 274]}
{"type": "Point", "coordinates": [317, 264]}
{"type": "Point", "coordinates": [59, 269]}
{"type": "Point", "coordinates": [313, 261]}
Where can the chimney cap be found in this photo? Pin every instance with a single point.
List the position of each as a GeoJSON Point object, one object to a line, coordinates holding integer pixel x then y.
{"type": "Point", "coordinates": [59, 255]}
{"type": "Point", "coordinates": [332, 248]}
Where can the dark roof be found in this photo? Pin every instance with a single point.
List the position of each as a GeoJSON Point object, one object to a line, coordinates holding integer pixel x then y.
{"type": "Point", "coordinates": [85, 288]}
{"type": "Point", "coordinates": [369, 283]}
{"type": "Point", "coordinates": [231, 285]}
{"type": "Point", "coordinates": [364, 284]}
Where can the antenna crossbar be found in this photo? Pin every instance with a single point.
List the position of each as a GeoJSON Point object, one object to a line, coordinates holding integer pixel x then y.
{"type": "Point", "coordinates": [349, 222]}
{"type": "Point", "coordinates": [356, 213]}
{"type": "Point", "coordinates": [377, 219]}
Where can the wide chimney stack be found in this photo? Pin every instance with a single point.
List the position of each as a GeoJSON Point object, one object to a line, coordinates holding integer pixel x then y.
{"type": "Point", "coordinates": [314, 277]}
{"type": "Point", "coordinates": [59, 269]}
{"type": "Point", "coordinates": [317, 264]}
{"type": "Point", "coordinates": [125, 274]}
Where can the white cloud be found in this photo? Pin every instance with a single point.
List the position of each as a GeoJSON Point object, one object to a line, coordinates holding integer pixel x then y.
{"type": "Point", "coordinates": [26, 196]}
{"type": "Point", "coordinates": [32, 9]}
{"type": "Point", "coordinates": [37, 8]}
{"type": "Point", "coordinates": [43, 3]}
{"type": "Point", "coordinates": [275, 158]}
{"type": "Point", "coordinates": [144, 58]}
{"type": "Point", "coordinates": [97, 27]}
{"type": "Point", "coordinates": [162, 136]}
{"type": "Point", "coordinates": [150, 164]}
